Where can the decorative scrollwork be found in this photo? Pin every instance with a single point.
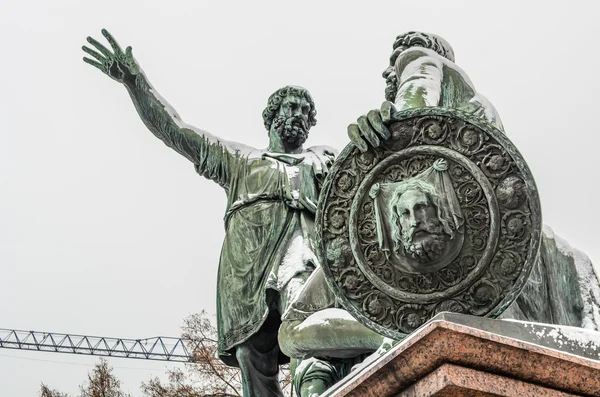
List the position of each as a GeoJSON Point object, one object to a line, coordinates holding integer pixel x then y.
{"type": "Point", "coordinates": [451, 274]}
{"type": "Point", "coordinates": [459, 174]}
{"type": "Point", "coordinates": [449, 306]}
{"type": "Point", "coordinates": [511, 192]}
{"type": "Point", "coordinates": [368, 230]}
{"type": "Point", "coordinates": [346, 183]}
{"type": "Point", "coordinates": [479, 229]}
{"type": "Point", "coordinates": [505, 265]}
{"type": "Point", "coordinates": [374, 255]}
{"type": "Point", "coordinates": [365, 161]}
{"type": "Point", "coordinates": [477, 217]}
{"type": "Point", "coordinates": [378, 306]}
{"type": "Point", "coordinates": [470, 192]}
{"type": "Point", "coordinates": [354, 283]}
{"type": "Point", "coordinates": [410, 317]}
{"type": "Point", "coordinates": [434, 130]}
{"type": "Point", "coordinates": [483, 292]}
{"type": "Point", "coordinates": [339, 253]}
{"type": "Point", "coordinates": [402, 135]}
{"type": "Point", "coordinates": [336, 218]}
{"type": "Point", "coordinates": [515, 226]}
{"type": "Point", "coordinates": [468, 140]}
{"type": "Point", "coordinates": [495, 163]}
{"type": "Point", "coordinates": [482, 295]}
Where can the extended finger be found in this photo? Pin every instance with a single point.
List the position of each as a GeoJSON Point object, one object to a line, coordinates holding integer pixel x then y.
{"type": "Point", "coordinates": [374, 118]}
{"type": "Point", "coordinates": [111, 40]}
{"type": "Point", "coordinates": [93, 63]}
{"type": "Point", "coordinates": [105, 51]}
{"type": "Point", "coordinates": [367, 131]}
{"type": "Point", "coordinates": [93, 53]}
{"type": "Point", "coordinates": [354, 134]}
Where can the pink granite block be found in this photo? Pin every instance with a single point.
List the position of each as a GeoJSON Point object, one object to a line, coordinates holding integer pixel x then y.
{"type": "Point", "coordinates": [453, 381]}
{"type": "Point", "coordinates": [445, 342]}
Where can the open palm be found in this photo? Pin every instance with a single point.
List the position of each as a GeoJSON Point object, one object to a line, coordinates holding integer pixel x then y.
{"type": "Point", "coordinates": [120, 66]}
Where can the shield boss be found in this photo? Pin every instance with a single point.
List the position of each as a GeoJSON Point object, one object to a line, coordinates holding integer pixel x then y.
{"type": "Point", "coordinates": [444, 216]}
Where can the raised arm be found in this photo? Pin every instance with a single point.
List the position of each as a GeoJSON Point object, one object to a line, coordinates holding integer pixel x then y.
{"type": "Point", "coordinates": [214, 158]}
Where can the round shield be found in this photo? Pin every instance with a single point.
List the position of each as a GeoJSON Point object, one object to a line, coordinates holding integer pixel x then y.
{"type": "Point", "coordinates": [444, 216]}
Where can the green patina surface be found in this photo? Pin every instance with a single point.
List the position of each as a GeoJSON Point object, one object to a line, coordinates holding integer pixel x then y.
{"type": "Point", "coordinates": [274, 300]}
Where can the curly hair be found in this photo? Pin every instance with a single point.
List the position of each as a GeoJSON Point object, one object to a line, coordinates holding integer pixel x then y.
{"type": "Point", "coordinates": [278, 96]}
{"type": "Point", "coordinates": [427, 40]}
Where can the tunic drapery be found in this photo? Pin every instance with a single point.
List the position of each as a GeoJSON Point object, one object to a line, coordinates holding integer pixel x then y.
{"type": "Point", "coordinates": [271, 197]}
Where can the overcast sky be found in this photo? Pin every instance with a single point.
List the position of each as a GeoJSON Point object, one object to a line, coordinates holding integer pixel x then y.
{"type": "Point", "coordinates": [106, 231]}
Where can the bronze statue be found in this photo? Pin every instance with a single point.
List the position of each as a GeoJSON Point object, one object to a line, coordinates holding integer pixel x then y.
{"type": "Point", "coordinates": [430, 209]}
{"type": "Point", "coordinates": [272, 195]}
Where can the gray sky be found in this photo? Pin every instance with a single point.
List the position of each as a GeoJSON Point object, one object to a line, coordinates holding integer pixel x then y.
{"type": "Point", "coordinates": [106, 231]}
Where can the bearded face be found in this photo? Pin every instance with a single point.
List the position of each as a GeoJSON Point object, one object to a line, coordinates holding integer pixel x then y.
{"type": "Point", "coordinates": [293, 130]}
{"type": "Point", "coordinates": [391, 86]}
{"type": "Point", "coordinates": [422, 234]}
{"type": "Point", "coordinates": [389, 74]}
{"type": "Point", "coordinates": [291, 123]}
{"type": "Point", "coordinates": [425, 243]}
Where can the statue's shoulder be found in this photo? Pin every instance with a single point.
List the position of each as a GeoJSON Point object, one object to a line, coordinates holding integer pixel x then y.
{"type": "Point", "coordinates": [324, 152]}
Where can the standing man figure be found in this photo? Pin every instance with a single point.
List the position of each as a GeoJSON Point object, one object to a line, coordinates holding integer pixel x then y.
{"type": "Point", "coordinates": [272, 194]}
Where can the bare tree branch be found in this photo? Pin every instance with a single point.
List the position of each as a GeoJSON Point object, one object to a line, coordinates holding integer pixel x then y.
{"type": "Point", "coordinates": [206, 377]}
{"type": "Point", "coordinates": [45, 391]}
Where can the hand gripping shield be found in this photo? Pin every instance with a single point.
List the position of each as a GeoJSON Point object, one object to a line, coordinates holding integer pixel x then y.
{"type": "Point", "coordinates": [444, 216]}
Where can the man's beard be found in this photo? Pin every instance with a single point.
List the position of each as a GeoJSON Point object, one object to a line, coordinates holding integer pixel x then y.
{"type": "Point", "coordinates": [391, 88]}
{"type": "Point", "coordinates": [292, 130]}
{"type": "Point", "coordinates": [429, 247]}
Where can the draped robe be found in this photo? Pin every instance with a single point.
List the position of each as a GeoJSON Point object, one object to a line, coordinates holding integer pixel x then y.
{"type": "Point", "coordinates": [271, 197]}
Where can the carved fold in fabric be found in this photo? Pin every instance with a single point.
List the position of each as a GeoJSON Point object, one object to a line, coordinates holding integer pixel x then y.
{"type": "Point", "coordinates": [263, 187]}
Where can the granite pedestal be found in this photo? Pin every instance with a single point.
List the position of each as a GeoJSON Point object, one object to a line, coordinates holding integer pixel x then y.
{"type": "Point", "coordinates": [460, 355]}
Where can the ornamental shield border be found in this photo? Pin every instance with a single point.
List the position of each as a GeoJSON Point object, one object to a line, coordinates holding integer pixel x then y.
{"type": "Point", "coordinates": [483, 205]}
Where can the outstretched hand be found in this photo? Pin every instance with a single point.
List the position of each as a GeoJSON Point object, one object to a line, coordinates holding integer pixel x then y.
{"type": "Point", "coordinates": [371, 129]}
{"type": "Point", "coordinates": [118, 65]}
